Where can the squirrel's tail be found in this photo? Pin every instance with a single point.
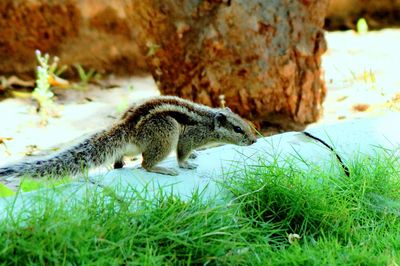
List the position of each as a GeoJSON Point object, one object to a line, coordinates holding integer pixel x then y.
{"type": "Point", "coordinates": [96, 150]}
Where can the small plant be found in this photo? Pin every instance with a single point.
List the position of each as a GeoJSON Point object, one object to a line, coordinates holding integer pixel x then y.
{"type": "Point", "coordinates": [362, 26]}
{"type": "Point", "coordinates": [86, 76]}
{"type": "Point", "coordinates": [42, 92]}
{"type": "Point", "coordinates": [152, 49]}
{"type": "Point", "coordinates": [46, 75]}
{"type": "Point", "coordinates": [366, 78]}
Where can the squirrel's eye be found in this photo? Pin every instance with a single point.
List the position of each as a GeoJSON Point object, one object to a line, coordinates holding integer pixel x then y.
{"type": "Point", "coordinates": [238, 130]}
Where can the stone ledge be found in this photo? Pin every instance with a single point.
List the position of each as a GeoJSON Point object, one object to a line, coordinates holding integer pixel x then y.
{"type": "Point", "coordinates": [365, 136]}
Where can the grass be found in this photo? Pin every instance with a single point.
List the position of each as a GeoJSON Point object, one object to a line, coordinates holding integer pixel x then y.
{"type": "Point", "coordinates": [340, 220]}
{"type": "Point", "coordinates": [5, 191]}
{"type": "Point", "coordinates": [32, 184]}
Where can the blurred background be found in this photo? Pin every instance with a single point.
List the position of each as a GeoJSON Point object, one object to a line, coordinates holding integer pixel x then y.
{"type": "Point", "coordinates": [70, 67]}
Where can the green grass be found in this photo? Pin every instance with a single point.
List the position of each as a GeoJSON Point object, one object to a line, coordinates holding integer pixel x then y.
{"type": "Point", "coordinates": [341, 221]}
{"type": "Point", "coordinates": [32, 184]}
{"type": "Point", "coordinates": [5, 191]}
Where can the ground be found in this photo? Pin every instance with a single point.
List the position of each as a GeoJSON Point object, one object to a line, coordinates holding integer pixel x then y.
{"type": "Point", "coordinates": [360, 73]}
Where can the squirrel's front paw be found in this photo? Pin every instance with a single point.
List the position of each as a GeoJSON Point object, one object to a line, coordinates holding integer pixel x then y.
{"type": "Point", "coordinates": [193, 155]}
{"type": "Point", "coordinates": [186, 165]}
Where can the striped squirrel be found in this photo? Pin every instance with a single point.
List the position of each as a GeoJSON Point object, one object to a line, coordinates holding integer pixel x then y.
{"type": "Point", "coordinates": [152, 128]}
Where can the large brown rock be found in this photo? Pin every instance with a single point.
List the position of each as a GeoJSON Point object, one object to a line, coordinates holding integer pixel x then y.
{"type": "Point", "coordinates": [264, 56]}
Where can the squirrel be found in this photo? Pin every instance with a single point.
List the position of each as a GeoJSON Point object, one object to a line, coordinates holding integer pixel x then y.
{"type": "Point", "coordinates": [152, 128]}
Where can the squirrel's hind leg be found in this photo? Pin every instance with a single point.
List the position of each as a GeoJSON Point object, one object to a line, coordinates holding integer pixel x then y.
{"type": "Point", "coordinates": [154, 155]}
{"type": "Point", "coordinates": [158, 146]}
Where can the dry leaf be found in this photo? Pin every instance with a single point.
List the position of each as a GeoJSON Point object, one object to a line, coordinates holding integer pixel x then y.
{"type": "Point", "coordinates": [14, 80]}
{"type": "Point", "coordinates": [58, 82]}
{"type": "Point", "coordinates": [361, 107]}
{"type": "Point", "coordinates": [31, 149]}
{"type": "Point", "coordinates": [21, 94]}
{"type": "Point", "coordinates": [342, 98]}
{"type": "Point", "coordinates": [3, 140]}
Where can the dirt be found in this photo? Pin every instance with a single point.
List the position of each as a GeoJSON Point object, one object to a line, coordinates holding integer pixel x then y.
{"type": "Point", "coordinates": [361, 74]}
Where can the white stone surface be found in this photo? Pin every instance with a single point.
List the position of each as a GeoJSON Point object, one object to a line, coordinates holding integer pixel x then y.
{"type": "Point", "coordinates": [349, 138]}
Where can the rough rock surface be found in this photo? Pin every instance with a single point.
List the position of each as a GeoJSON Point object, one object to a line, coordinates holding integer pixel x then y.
{"type": "Point", "coordinates": [264, 56]}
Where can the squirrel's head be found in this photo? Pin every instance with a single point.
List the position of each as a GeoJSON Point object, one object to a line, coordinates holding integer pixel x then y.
{"type": "Point", "coordinates": [231, 128]}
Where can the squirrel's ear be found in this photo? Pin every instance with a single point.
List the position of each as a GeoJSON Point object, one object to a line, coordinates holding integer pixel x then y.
{"type": "Point", "coordinates": [220, 118]}
{"type": "Point", "coordinates": [228, 109]}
